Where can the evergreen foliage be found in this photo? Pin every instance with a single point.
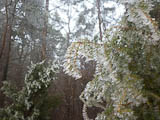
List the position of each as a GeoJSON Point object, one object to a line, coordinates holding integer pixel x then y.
{"type": "Point", "coordinates": [126, 82]}
{"type": "Point", "coordinates": [33, 101]}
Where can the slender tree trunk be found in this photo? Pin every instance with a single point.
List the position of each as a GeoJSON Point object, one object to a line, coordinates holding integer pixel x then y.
{"type": "Point", "coordinates": [5, 31]}
{"type": "Point", "coordinates": [73, 86]}
{"type": "Point", "coordinates": [44, 39]}
{"type": "Point", "coordinates": [8, 41]}
{"type": "Point", "coordinates": [68, 23]}
{"type": "Point", "coordinates": [5, 72]}
{"type": "Point", "coordinates": [6, 64]}
{"type": "Point", "coordinates": [99, 19]}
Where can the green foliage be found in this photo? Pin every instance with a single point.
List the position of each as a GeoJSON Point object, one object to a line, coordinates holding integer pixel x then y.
{"type": "Point", "coordinates": [126, 81]}
{"type": "Point", "coordinates": [33, 100]}
{"type": "Point", "coordinates": [142, 60]}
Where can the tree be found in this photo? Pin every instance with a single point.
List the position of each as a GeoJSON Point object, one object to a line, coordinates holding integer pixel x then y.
{"type": "Point", "coordinates": [45, 30]}
{"type": "Point", "coordinates": [30, 102]}
{"type": "Point", "coordinates": [21, 28]}
{"type": "Point", "coordinates": [126, 81]}
{"type": "Point", "coordinates": [10, 10]}
{"type": "Point", "coordinates": [99, 19]}
{"type": "Point", "coordinates": [93, 17]}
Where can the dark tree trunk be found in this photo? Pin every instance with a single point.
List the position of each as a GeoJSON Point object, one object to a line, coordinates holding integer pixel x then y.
{"type": "Point", "coordinates": [99, 19]}
{"type": "Point", "coordinates": [7, 48]}
{"type": "Point", "coordinates": [5, 31]}
{"type": "Point", "coordinates": [44, 39]}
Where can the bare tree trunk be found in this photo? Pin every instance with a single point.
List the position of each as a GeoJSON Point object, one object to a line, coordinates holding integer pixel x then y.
{"type": "Point", "coordinates": [99, 19]}
{"type": "Point", "coordinates": [5, 30]}
{"type": "Point", "coordinates": [68, 23]}
{"type": "Point", "coordinates": [5, 72]}
{"type": "Point", "coordinates": [8, 41]}
{"type": "Point", "coordinates": [44, 39]}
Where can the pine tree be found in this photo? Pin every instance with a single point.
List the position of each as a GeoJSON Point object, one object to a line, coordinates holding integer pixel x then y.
{"type": "Point", "coordinates": [27, 103]}
{"type": "Point", "coordinates": [126, 82]}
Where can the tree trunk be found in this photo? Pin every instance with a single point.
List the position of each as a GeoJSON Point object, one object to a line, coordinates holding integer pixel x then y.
{"type": "Point", "coordinates": [7, 47]}
{"type": "Point", "coordinates": [44, 39]}
{"type": "Point", "coordinates": [5, 72]}
{"type": "Point", "coordinates": [5, 31]}
{"type": "Point", "coordinates": [99, 19]}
